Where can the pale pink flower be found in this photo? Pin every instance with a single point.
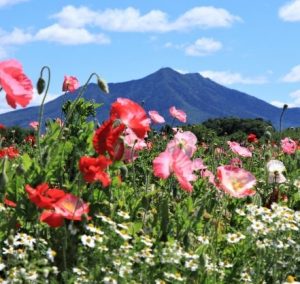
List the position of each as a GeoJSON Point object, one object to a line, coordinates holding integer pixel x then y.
{"type": "Point", "coordinates": [204, 172]}
{"type": "Point", "coordinates": [133, 145]}
{"type": "Point", "coordinates": [186, 141]}
{"type": "Point", "coordinates": [288, 146]}
{"type": "Point", "coordinates": [34, 125]}
{"type": "Point", "coordinates": [70, 84]}
{"type": "Point", "coordinates": [236, 181]}
{"type": "Point", "coordinates": [178, 114]}
{"type": "Point", "coordinates": [133, 141]}
{"type": "Point", "coordinates": [238, 149]}
{"type": "Point", "coordinates": [208, 174]}
{"type": "Point", "coordinates": [176, 162]}
{"type": "Point", "coordinates": [156, 117]}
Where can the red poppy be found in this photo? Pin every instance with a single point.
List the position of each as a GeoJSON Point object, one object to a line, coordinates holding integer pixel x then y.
{"type": "Point", "coordinates": [43, 196]}
{"type": "Point", "coordinates": [30, 139]}
{"type": "Point", "coordinates": [15, 83]}
{"type": "Point", "coordinates": [10, 203]}
{"type": "Point", "coordinates": [132, 115]}
{"type": "Point", "coordinates": [252, 138]}
{"type": "Point", "coordinates": [2, 126]}
{"type": "Point", "coordinates": [52, 219]}
{"type": "Point", "coordinates": [93, 169]}
{"type": "Point", "coordinates": [107, 138]}
{"type": "Point", "coordinates": [11, 152]}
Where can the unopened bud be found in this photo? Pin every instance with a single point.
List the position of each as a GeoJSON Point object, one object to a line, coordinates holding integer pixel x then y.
{"type": "Point", "coordinates": [285, 106]}
{"type": "Point", "coordinates": [3, 181]}
{"type": "Point", "coordinates": [268, 135]}
{"type": "Point", "coordinates": [40, 85]}
{"type": "Point", "coordinates": [102, 85]}
{"type": "Point", "coordinates": [124, 172]}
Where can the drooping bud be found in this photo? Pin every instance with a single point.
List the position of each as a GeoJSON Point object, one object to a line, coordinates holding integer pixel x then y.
{"type": "Point", "coordinates": [40, 85]}
{"type": "Point", "coordinates": [102, 85]}
{"type": "Point", "coordinates": [285, 106]}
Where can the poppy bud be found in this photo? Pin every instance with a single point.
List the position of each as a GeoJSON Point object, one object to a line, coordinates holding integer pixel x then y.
{"type": "Point", "coordinates": [3, 181]}
{"type": "Point", "coordinates": [124, 172]}
{"type": "Point", "coordinates": [268, 135]}
{"type": "Point", "coordinates": [40, 85]}
{"type": "Point", "coordinates": [102, 85]}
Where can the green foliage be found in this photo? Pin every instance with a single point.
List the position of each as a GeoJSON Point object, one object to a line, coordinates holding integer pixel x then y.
{"type": "Point", "coordinates": [231, 125]}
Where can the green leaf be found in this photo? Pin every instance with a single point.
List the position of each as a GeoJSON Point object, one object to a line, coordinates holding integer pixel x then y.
{"type": "Point", "coordinates": [26, 162]}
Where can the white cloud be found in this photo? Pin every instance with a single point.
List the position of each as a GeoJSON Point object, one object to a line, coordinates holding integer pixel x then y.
{"type": "Point", "coordinates": [3, 53]}
{"type": "Point", "coordinates": [4, 3]}
{"type": "Point", "coordinates": [205, 17]}
{"type": "Point", "coordinates": [293, 75]}
{"type": "Point", "coordinates": [16, 37]}
{"type": "Point", "coordinates": [71, 16]}
{"type": "Point", "coordinates": [294, 103]}
{"type": "Point", "coordinates": [131, 19]}
{"type": "Point", "coordinates": [230, 78]}
{"type": "Point", "coordinates": [203, 46]}
{"type": "Point", "coordinates": [291, 11]}
{"type": "Point", "coordinates": [70, 36]}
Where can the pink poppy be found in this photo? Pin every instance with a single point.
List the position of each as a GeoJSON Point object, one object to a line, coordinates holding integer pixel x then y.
{"type": "Point", "coordinates": [156, 117]}
{"type": "Point", "coordinates": [34, 125]}
{"type": "Point", "coordinates": [178, 114]}
{"type": "Point", "coordinates": [186, 141]}
{"type": "Point", "coordinates": [70, 84]}
{"type": "Point", "coordinates": [238, 149]}
{"type": "Point", "coordinates": [176, 162]}
{"type": "Point", "coordinates": [15, 83]}
{"type": "Point", "coordinates": [132, 115]}
{"type": "Point", "coordinates": [288, 146]}
{"type": "Point", "coordinates": [71, 207]}
{"type": "Point", "coordinates": [133, 141]}
{"type": "Point", "coordinates": [236, 181]}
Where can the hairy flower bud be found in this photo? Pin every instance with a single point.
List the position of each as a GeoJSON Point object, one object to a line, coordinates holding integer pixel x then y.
{"type": "Point", "coordinates": [102, 85]}
{"type": "Point", "coordinates": [40, 85]}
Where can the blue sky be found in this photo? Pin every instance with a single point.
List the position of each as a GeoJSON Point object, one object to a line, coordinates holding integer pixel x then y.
{"type": "Point", "coordinates": [250, 46]}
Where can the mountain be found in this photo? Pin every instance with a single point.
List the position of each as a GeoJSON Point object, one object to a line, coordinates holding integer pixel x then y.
{"type": "Point", "coordinates": [201, 98]}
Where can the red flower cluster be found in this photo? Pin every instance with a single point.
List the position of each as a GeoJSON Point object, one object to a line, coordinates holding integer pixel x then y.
{"type": "Point", "coordinates": [58, 205]}
{"type": "Point", "coordinates": [124, 114]}
{"type": "Point", "coordinates": [11, 152]}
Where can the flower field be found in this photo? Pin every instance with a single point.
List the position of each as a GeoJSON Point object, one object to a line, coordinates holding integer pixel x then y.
{"type": "Point", "coordinates": [119, 202]}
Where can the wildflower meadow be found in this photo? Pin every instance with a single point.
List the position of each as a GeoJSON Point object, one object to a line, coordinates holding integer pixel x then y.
{"type": "Point", "coordinates": [121, 202]}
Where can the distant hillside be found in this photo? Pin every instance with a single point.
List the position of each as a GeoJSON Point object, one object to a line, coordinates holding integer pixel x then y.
{"type": "Point", "coordinates": [201, 98]}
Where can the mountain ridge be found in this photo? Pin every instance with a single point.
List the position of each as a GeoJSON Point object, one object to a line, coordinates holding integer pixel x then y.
{"type": "Point", "coordinates": [201, 98]}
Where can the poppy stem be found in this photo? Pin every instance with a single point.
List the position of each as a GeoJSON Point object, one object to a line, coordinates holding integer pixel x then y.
{"type": "Point", "coordinates": [41, 111]}
{"type": "Point", "coordinates": [285, 106]}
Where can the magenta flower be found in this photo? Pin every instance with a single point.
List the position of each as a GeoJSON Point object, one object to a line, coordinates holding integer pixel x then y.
{"type": "Point", "coordinates": [236, 181]}
{"type": "Point", "coordinates": [239, 150]}
{"type": "Point", "coordinates": [288, 146]}
{"type": "Point", "coordinates": [156, 117]}
{"type": "Point", "coordinates": [178, 114]}
{"type": "Point", "coordinates": [176, 162]}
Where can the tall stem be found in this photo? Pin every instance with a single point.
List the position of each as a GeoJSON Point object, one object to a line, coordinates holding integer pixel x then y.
{"type": "Point", "coordinates": [41, 112]}
{"type": "Point", "coordinates": [281, 116]}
